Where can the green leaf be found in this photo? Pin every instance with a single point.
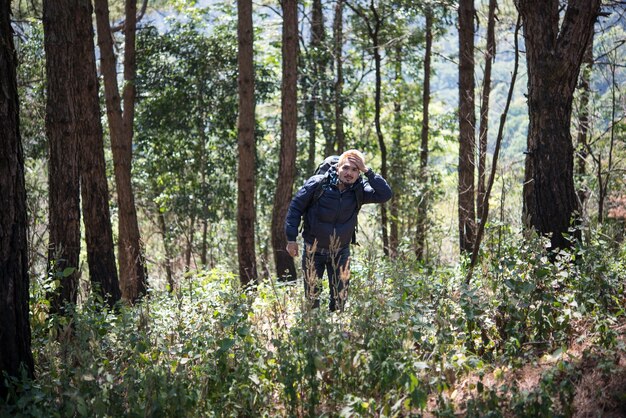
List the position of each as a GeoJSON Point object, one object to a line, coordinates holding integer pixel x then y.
{"type": "Point", "coordinates": [68, 271]}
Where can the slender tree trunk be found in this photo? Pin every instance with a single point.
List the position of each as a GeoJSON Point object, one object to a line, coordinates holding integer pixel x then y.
{"type": "Point", "coordinates": [189, 246]}
{"type": "Point", "coordinates": [395, 160]}
{"type": "Point", "coordinates": [467, 124]}
{"type": "Point", "coordinates": [554, 55]}
{"type": "Point", "coordinates": [316, 62]}
{"type": "Point", "coordinates": [94, 187]}
{"type": "Point", "coordinates": [130, 253]}
{"type": "Point", "coordinates": [285, 267]}
{"type": "Point", "coordinates": [338, 88]}
{"type": "Point", "coordinates": [60, 37]}
{"type": "Point", "coordinates": [485, 210]}
{"type": "Point", "coordinates": [604, 181]}
{"type": "Point", "coordinates": [583, 122]}
{"type": "Point", "coordinates": [167, 249]}
{"type": "Point", "coordinates": [246, 209]}
{"type": "Point", "coordinates": [15, 350]}
{"type": "Point", "coordinates": [490, 56]}
{"type": "Point", "coordinates": [422, 208]}
{"type": "Point", "coordinates": [374, 33]}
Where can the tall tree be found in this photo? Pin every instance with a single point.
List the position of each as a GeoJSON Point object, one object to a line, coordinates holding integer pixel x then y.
{"type": "Point", "coordinates": [246, 212]}
{"type": "Point", "coordinates": [556, 41]}
{"type": "Point", "coordinates": [375, 16]}
{"type": "Point", "coordinates": [422, 208]}
{"type": "Point", "coordinates": [15, 351]}
{"type": "Point", "coordinates": [338, 87]}
{"type": "Point", "coordinates": [582, 142]}
{"type": "Point", "coordinates": [394, 204]}
{"type": "Point", "coordinates": [490, 56]}
{"type": "Point", "coordinates": [467, 123]}
{"type": "Point", "coordinates": [317, 61]}
{"type": "Point", "coordinates": [285, 267]}
{"type": "Point", "coordinates": [92, 166]}
{"type": "Point", "coordinates": [60, 37]}
{"type": "Point", "coordinates": [133, 276]}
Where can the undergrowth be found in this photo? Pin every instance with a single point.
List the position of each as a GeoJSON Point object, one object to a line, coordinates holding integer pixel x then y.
{"type": "Point", "coordinates": [413, 340]}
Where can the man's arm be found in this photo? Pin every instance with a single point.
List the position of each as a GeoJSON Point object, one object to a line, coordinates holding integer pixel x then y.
{"type": "Point", "coordinates": [375, 188]}
{"type": "Point", "coordinates": [297, 208]}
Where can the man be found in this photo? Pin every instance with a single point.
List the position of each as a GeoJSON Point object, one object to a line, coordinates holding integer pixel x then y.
{"type": "Point", "coordinates": [330, 204]}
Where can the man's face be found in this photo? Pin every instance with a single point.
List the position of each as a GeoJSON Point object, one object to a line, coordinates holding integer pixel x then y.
{"type": "Point", "coordinates": [348, 173]}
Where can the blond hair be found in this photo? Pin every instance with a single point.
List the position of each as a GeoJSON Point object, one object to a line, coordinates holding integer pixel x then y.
{"type": "Point", "coordinates": [354, 153]}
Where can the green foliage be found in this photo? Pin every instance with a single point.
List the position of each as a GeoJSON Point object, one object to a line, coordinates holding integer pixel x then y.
{"type": "Point", "coordinates": [409, 337]}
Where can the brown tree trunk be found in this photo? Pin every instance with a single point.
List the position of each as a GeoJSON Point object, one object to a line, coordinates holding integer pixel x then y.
{"type": "Point", "coordinates": [490, 56]}
{"type": "Point", "coordinates": [554, 55]}
{"type": "Point", "coordinates": [130, 253]}
{"type": "Point", "coordinates": [15, 350]}
{"type": "Point", "coordinates": [167, 249]}
{"type": "Point", "coordinates": [94, 187]}
{"type": "Point", "coordinates": [314, 80]}
{"type": "Point", "coordinates": [60, 37]}
{"type": "Point", "coordinates": [396, 156]}
{"type": "Point", "coordinates": [467, 123]}
{"type": "Point", "coordinates": [583, 122]}
{"type": "Point", "coordinates": [338, 88]}
{"type": "Point", "coordinates": [246, 209]}
{"type": "Point", "coordinates": [285, 267]}
{"type": "Point", "coordinates": [422, 207]}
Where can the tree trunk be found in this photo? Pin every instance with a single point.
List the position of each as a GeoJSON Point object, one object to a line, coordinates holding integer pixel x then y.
{"type": "Point", "coordinates": [130, 253]}
{"type": "Point", "coordinates": [94, 187]}
{"type": "Point", "coordinates": [583, 123]}
{"type": "Point", "coordinates": [467, 123]}
{"type": "Point", "coordinates": [167, 249]}
{"type": "Point", "coordinates": [490, 56]}
{"type": "Point", "coordinates": [554, 55]}
{"type": "Point", "coordinates": [60, 38]}
{"type": "Point", "coordinates": [395, 160]}
{"type": "Point", "coordinates": [246, 209]}
{"type": "Point", "coordinates": [15, 350]}
{"type": "Point", "coordinates": [422, 207]}
{"type": "Point", "coordinates": [316, 63]}
{"type": "Point", "coordinates": [285, 267]}
{"type": "Point", "coordinates": [338, 88]}
{"type": "Point", "coordinates": [374, 33]}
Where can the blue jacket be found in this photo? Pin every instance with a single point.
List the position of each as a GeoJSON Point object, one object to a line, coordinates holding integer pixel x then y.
{"type": "Point", "coordinates": [335, 212]}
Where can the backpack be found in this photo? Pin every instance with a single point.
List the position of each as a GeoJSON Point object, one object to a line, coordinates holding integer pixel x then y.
{"type": "Point", "coordinates": [323, 169]}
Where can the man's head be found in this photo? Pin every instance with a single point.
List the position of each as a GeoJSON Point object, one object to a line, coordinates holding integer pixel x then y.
{"type": "Point", "coordinates": [350, 165]}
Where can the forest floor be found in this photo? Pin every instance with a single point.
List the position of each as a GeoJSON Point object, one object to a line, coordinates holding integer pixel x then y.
{"type": "Point", "coordinates": [599, 377]}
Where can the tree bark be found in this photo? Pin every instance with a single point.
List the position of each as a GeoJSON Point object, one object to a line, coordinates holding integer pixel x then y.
{"type": "Point", "coordinates": [422, 207]}
{"type": "Point", "coordinates": [285, 267]}
{"type": "Point", "coordinates": [246, 209]}
{"type": "Point", "coordinates": [583, 123]}
{"type": "Point", "coordinates": [15, 350]}
{"type": "Point", "coordinates": [60, 37]}
{"type": "Point", "coordinates": [167, 250]}
{"type": "Point", "coordinates": [130, 253]}
{"type": "Point", "coordinates": [467, 124]}
{"type": "Point", "coordinates": [554, 54]}
{"type": "Point", "coordinates": [396, 155]}
{"type": "Point", "coordinates": [338, 88]}
{"type": "Point", "coordinates": [94, 187]}
{"type": "Point", "coordinates": [375, 33]}
{"type": "Point", "coordinates": [314, 88]}
{"type": "Point", "coordinates": [490, 56]}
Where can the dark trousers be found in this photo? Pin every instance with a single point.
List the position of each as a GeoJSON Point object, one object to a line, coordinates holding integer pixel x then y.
{"type": "Point", "coordinates": [335, 263]}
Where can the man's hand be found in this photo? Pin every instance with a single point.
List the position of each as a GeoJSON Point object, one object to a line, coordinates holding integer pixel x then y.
{"type": "Point", "coordinates": [358, 163]}
{"type": "Point", "coordinates": [292, 248]}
